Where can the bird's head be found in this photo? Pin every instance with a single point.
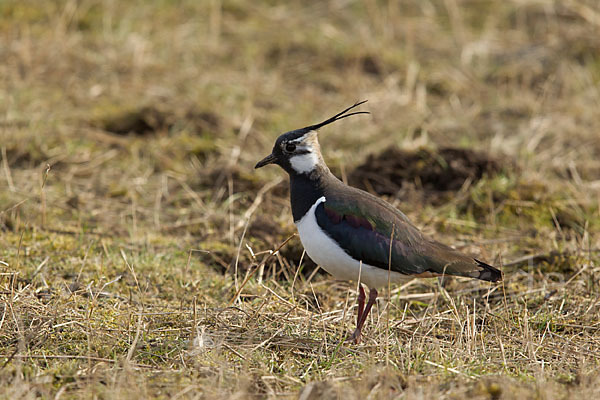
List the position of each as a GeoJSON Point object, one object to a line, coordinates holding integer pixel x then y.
{"type": "Point", "coordinates": [298, 151]}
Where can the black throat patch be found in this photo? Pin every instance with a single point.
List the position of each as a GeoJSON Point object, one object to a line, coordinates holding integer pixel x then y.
{"type": "Point", "coordinates": [305, 190]}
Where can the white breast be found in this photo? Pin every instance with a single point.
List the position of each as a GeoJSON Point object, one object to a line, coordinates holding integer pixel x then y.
{"type": "Point", "coordinates": [332, 258]}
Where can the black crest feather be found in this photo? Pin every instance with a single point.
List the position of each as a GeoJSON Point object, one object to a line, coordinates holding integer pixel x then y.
{"type": "Point", "coordinates": [339, 116]}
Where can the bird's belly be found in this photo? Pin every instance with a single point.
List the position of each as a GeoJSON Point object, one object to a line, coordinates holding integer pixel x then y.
{"type": "Point", "coordinates": [332, 258]}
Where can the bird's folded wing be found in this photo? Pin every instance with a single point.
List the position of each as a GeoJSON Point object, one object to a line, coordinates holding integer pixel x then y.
{"type": "Point", "coordinates": [384, 238]}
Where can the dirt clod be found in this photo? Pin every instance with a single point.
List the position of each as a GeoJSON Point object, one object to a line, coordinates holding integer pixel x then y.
{"type": "Point", "coordinates": [144, 121]}
{"type": "Point", "coordinates": [444, 170]}
{"type": "Point", "coordinates": [24, 157]}
{"type": "Point", "coordinates": [151, 120]}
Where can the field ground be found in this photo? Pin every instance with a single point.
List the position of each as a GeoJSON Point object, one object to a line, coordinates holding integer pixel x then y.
{"type": "Point", "coordinates": [131, 215]}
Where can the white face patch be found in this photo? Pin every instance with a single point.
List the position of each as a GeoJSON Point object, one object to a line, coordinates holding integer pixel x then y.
{"type": "Point", "coordinates": [304, 163]}
{"type": "Point", "coordinates": [310, 155]}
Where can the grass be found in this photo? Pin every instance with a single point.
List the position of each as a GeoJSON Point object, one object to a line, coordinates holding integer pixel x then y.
{"type": "Point", "coordinates": [131, 216]}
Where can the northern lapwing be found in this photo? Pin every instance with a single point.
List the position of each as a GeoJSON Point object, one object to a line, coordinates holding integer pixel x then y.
{"type": "Point", "coordinates": [354, 235]}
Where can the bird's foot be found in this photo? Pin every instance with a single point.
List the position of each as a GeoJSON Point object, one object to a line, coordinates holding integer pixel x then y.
{"type": "Point", "coordinates": [362, 317]}
{"type": "Point", "coordinates": [354, 337]}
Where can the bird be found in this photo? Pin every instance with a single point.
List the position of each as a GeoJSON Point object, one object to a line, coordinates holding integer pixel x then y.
{"type": "Point", "coordinates": [355, 235]}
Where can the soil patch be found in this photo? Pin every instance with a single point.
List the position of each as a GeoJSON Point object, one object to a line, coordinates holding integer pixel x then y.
{"type": "Point", "coordinates": [151, 120]}
{"type": "Point", "coordinates": [445, 170]}
{"type": "Point", "coordinates": [24, 157]}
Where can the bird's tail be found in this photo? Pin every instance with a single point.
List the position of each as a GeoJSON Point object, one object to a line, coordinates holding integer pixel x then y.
{"type": "Point", "coordinates": [488, 273]}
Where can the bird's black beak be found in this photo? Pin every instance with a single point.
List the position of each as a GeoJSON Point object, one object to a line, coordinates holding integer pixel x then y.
{"type": "Point", "coordinates": [270, 159]}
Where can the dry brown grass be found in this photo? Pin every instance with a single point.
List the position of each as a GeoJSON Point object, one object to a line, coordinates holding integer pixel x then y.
{"type": "Point", "coordinates": [121, 253]}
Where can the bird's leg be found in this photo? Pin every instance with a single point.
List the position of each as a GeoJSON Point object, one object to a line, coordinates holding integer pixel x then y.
{"type": "Point", "coordinates": [372, 298]}
{"type": "Point", "coordinates": [361, 303]}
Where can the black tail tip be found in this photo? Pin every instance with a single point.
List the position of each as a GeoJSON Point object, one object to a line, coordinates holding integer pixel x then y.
{"type": "Point", "coordinates": [488, 273]}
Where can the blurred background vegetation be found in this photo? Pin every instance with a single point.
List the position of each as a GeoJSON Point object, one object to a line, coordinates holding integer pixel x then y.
{"type": "Point", "coordinates": [130, 213]}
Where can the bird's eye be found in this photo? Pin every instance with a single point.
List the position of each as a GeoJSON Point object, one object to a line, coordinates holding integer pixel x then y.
{"type": "Point", "coordinates": [290, 147]}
